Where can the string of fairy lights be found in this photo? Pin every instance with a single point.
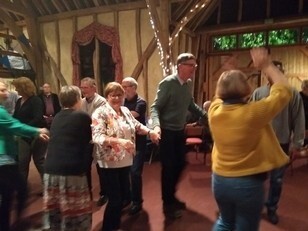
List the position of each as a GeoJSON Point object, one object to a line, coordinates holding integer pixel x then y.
{"type": "Point", "coordinates": [165, 55]}
{"type": "Point", "coordinates": [161, 51]}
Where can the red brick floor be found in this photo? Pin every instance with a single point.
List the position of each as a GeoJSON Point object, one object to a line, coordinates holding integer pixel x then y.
{"type": "Point", "coordinates": [195, 190]}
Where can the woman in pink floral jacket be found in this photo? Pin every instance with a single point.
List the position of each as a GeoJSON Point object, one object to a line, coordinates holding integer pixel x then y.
{"type": "Point", "coordinates": [113, 134]}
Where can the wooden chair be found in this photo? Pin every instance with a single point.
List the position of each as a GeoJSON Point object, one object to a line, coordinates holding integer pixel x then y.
{"type": "Point", "coordinates": [194, 136]}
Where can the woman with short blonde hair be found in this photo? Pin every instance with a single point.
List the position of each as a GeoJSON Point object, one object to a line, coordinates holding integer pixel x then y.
{"type": "Point", "coordinates": [242, 135]}
{"type": "Point", "coordinates": [233, 84]}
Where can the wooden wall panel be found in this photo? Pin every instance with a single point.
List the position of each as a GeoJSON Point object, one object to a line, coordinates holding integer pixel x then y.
{"type": "Point", "coordinates": [50, 41]}
{"type": "Point", "coordinates": [294, 59]}
{"type": "Point", "coordinates": [84, 21]}
{"type": "Point", "coordinates": [66, 33]}
{"type": "Point", "coordinates": [127, 30]}
{"type": "Point", "coordinates": [106, 19]}
{"type": "Point", "coordinates": [126, 22]}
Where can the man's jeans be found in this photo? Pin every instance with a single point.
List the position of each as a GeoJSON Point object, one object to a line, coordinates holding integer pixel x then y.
{"type": "Point", "coordinates": [275, 187]}
{"type": "Point", "coordinates": [240, 201]}
{"type": "Point", "coordinates": [136, 172]}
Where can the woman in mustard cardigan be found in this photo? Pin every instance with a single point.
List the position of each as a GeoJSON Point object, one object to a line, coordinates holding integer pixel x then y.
{"type": "Point", "coordinates": [242, 135]}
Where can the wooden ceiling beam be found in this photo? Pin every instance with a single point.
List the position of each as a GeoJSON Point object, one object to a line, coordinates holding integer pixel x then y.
{"type": "Point", "coordinates": [93, 10]}
{"type": "Point", "coordinates": [268, 8]}
{"type": "Point", "coordinates": [219, 13]}
{"type": "Point", "coordinates": [13, 7]}
{"type": "Point", "coordinates": [2, 35]}
{"type": "Point", "coordinates": [190, 15]}
{"type": "Point", "coordinates": [97, 3]}
{"type": "Point", "coordinates": [25, 3]}
{"type": "Point", "coordinates": [240, 11]}
{"type": "Point", "coordinates": [300, 6]}
{"type": "Point", "coordinates": [77, 4]}
{"type": "Point", "coordinates": [67, 5]}
{"type": "Point", "coordinates": [39, 7]}
{"type": "Point", "coordinates": [11, 53]}
{"type": "Point", "coordinates": [184, 7]}
{"type": "Point", "coordinates": [251, 27]}
{"type": "Point", "coordinates": [87, 4]}
{"type": "Point", "coordinates": [46, 6]}
{"type": "Point", "coordinates": [57, 5]}
{"type": "Point", "coordinates": [212, 6]}
{"type": "Point", "coordinates": [145, 56]}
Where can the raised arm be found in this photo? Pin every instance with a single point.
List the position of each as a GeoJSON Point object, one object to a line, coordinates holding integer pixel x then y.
{"type": "Point", "coordinates": [262, 60]}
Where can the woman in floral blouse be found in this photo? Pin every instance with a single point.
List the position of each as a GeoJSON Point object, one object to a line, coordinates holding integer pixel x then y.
{"type": "Point", "coordinates": [113, 134]}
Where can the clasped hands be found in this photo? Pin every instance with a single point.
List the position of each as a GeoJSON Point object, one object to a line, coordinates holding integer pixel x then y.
{"type": "Point", "coordinates": [44, 134]}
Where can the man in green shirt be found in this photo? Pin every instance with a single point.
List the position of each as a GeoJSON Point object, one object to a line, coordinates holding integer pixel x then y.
{"type": "Point", "coordinates": [168, 114]}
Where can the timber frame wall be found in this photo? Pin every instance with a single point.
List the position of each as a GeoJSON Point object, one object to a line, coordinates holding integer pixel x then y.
{"type": "Point", "coordinates": [137, 42]}
{"type": "Point", "coordinates": [212, 64]}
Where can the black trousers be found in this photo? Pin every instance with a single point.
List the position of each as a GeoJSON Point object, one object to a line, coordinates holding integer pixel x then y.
{"type": "Point", "coordinates": [173, 161]}
{"type": "Point", "coordinates": [11, 180]}
{"type": "Point", "coordinates": [136, 171]}
{"type": "Point", "coordinates": [116, 181]}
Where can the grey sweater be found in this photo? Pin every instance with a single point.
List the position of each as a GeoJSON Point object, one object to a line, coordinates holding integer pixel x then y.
{"type": "Point", "coordinates": [290, 122]}
{"type": "Point", "coordinates": [172, 101]}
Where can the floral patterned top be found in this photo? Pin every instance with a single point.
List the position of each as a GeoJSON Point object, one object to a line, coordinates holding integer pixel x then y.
{"type": "Point", "coordinates": [107, 123]}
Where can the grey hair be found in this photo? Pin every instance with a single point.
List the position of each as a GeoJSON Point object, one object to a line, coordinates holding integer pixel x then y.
{"type": "Point", "coordinates": [130, 80]}
{"type": "Point", "coordinates": [90, 81]}
{"type": "Point", "coordinates": [69, 96]}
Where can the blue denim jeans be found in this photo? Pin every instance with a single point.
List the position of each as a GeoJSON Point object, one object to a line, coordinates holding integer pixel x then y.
{"type": "Point", "coordinates": [275, 187]}
{"type": "Point", "coordinates": [240, 202]}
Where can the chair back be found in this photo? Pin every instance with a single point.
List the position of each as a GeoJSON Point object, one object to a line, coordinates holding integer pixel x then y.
{"type": "Point", "coordinates": [194, 131]}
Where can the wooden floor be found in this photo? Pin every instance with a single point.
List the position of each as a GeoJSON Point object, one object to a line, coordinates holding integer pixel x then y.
{"type": "Point", "coordinates": [195, 190]}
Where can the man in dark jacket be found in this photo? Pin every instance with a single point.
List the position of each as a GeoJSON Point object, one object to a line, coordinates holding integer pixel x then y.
{"type": "Point", "coordinates": [51, 104]}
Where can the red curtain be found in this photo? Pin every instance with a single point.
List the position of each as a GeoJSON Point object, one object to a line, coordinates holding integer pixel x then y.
{"type": "Point", "coordinates": [105, 34]}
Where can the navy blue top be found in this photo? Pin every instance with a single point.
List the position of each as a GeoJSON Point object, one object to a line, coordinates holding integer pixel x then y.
{"type": "Point", "coordinates": [138, 105]}
{"type": "Point", "coordinates": [69, 147]}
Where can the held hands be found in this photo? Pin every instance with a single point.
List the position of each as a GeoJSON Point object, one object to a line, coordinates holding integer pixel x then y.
{"type": "Point", "coordinates": [44, 134]}
{"type": "Point", "coordinates": [260, 57]}
{"type": "Point", "coordinates": [155, 135]}
{"type": "Point", "coordinates": [127, 144]}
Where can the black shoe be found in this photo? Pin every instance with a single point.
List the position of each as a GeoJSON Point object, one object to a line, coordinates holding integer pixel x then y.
{"type": "Point", "coordinates": [179, 204]}
{"type": "Point", "coordinates": [134, 209]}
{"type": "Point", "coordinates": [102, 200]}
{"type": "Point", "coordinates": [272, 216]}
{"type": "Point", "coordinates": [172, 212]}
{"type": "Point", "coordinates": [125, 203]}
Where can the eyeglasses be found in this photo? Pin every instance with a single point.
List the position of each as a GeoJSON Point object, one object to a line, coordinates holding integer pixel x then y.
{"type": "Point", "coordinates": [190, 64]}
{"type": "Point", "coordinates": [127, 86]}
{"type": "Point", "coordinates": [116, 96]}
